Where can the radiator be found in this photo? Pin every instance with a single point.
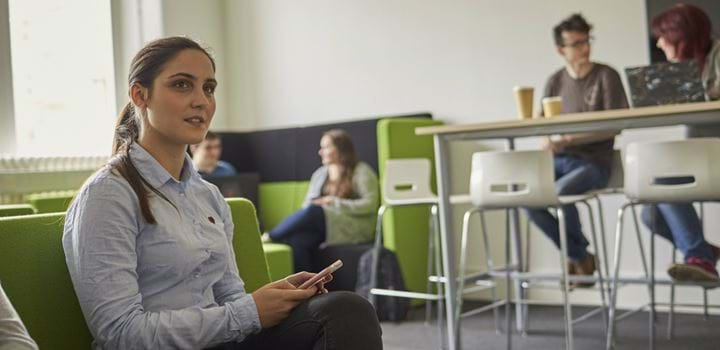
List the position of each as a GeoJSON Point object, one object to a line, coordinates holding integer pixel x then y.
{"type": "Point", "coordinates": [24, 175]}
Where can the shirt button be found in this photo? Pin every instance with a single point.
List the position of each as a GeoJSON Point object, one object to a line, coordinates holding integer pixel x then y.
{"type": "Point", "coordinates": [182, 194]}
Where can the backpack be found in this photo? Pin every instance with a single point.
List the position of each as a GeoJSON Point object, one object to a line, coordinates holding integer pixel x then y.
{"type": "Point", "coordinates": [389, 276]}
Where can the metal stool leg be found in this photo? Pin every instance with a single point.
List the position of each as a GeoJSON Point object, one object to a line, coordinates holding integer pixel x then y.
{"type": "Point", "coordinates": [601, 279]}
{"type": "Point", "coordinates": [706, 314]}
{"type": "Point", "coordinates": [651, 285]}
{"type": "Point", "coordinates": [671, 314]}
{"type": "Point", "coordinates": [614, 279]}
{"type": "Point", "coordinates": [490, 267]}
{"type": "Point", "coordinates": [641, 246]}
{"type": "Point", "coordinates": [566, 279]}
{"type": "Point", "coordinates": [705, 290]}
{"type": "Point", "coordinates": [439, 287]}
{"type": "Point", "coordinates": [376, 255]}
{"type": "Point", "coordinates": [430, 258]}
{"type": "Point", "coordinates": [603, 236]}
{"type": "Point", "coordinates": [508, 314]}
{"type": "Point", "coordinates": [526, 268]}
{"type": "Point", "coordinates": [461, 269]}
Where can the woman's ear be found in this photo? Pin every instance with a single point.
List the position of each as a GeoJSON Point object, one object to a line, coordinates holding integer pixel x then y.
{"type": "Point", "coordinates": [139, 95]}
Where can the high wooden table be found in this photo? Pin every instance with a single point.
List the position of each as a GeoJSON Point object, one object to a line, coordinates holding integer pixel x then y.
{"type": "Point", "coordinates": [613, 120]}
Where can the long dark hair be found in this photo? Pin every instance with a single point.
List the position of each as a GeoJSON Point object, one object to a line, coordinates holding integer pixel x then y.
{"type": "Point", "coordinates": [144, 68]}
{"type": "Point", "coordinates": [688, 29]}
{"type": "Point", "coordinates": [347, 157]}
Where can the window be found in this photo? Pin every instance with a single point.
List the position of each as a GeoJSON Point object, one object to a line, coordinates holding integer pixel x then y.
{"type": "Point", "coordinates": [63, 77]}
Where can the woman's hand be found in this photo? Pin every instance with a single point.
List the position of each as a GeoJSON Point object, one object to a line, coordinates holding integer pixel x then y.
{"type": "Point", "coordinates": [299, 278]}
{"type": "Point", "coordinates": [320, 201]}
{"type": "Point", "coordinates": [275, 300]}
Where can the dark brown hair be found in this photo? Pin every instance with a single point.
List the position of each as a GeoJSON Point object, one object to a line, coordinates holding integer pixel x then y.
{"type": "Point", "coordinates": [144, 68]}
{"type": "Point", "coordinates": [574, 23]}
{"type": "Point", "coordinates": [342, 188]}
{"type": "Point", "coordinates": [688, 29]}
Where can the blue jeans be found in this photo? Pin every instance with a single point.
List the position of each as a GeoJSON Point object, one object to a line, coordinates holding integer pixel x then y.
{"type": "Point", "coordinates": [680, 224]}
{"type": "Point", "coordinates": [304, 231]}
{"type": "Point", "coordinates": [573, 175]}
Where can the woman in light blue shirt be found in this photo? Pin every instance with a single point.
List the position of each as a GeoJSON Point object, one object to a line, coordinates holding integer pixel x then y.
{"type": "Point", "coordinates": [148, 243]}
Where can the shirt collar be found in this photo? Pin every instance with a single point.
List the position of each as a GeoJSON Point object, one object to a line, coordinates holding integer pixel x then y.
{"type": "Point", "coordinates": [154, 173]}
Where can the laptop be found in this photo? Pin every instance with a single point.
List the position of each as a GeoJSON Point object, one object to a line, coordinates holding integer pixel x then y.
{"type": "Point", "coordinates": [241, 185]}
{"type": "Point", "coordinates": [665, 83]}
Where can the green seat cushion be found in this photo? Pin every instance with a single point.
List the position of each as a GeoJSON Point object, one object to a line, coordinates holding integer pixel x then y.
{"type": "Point", "coordinates": [405, 230]}
{"type": "Point", "coordinates": [279, 259]}
{"type": "Point", "coordinates": [50, 202]}
{"type": "Point", "coordinates": [16, 209]}
{"type": "Point", "coordinates": [36, 279]}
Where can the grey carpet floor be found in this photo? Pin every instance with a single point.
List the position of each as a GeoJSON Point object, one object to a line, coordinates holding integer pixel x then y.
{"type": "Point", "coordinates": [692, 331]}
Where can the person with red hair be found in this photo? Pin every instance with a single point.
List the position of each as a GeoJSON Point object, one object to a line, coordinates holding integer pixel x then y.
{"type": "Point", "coordinates": [684, 33]}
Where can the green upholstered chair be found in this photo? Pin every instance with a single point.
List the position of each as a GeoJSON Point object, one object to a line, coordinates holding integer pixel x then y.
{"type": "Point", "coordinates": [277, 201]}
{"type": "Point", "coordinates": [50, 202]}
{"type": "Point", "coordinates": [34, 275]}
{"type": "Point", "coordinates": [35, 278]}
{"type": "Point", "coordinates": [279, 259]}
{"type": "Point", "coordinates": [280, 199]}
{"type": "Point", "coordinates": [246, 243]}
{"type": "Point", "coordinates": [405, 229]}
{"type": "Point", "coordinates": [16, 209]}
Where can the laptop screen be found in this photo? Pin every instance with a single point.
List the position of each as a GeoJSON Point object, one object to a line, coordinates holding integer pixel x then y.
{"type": "Point", "coordinates": [665, 83]}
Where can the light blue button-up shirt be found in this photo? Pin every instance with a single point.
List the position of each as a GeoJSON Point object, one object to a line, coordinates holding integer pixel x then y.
{"type": "Point", "coordinates": [174, 284]}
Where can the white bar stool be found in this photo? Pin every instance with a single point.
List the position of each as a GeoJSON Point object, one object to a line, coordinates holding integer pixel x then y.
{"type": "Point", "coordinates": [406, 182]}
{"type": "Point", "coordinates": [689, 172]}
{"type": "Point", "coordinates": [506, 180]}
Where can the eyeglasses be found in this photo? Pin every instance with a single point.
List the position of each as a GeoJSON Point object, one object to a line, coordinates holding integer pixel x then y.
{"type": "Point", "coordinates": [580, 43]}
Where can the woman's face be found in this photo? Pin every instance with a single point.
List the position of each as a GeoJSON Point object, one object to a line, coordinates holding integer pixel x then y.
{"type": "Point", "coordinates": [668, 49]}
{"type": "Point", "coordinates": [181, 103]}
{"type": "Point", "coordinates": [328, 152]}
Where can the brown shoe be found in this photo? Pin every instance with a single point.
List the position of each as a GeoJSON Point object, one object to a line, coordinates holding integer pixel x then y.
{"type": "Point", "coordinates": [584, 267]}
{"type": "Point", "coordinates": [694, 270]}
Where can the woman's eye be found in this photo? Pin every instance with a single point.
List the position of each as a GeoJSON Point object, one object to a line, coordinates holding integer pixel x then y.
{"type": "Point", "coordinates": [210, 89]}
{"type": "Point", "coordinates": [181, 84]}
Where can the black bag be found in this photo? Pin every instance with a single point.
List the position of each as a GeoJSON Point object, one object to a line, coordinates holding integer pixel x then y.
{"type": "Point", "coordinates": [389, 276]}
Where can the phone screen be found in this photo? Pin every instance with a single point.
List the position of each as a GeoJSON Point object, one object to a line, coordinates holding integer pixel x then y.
{"type": "Point", "coordinates": [322, 274]}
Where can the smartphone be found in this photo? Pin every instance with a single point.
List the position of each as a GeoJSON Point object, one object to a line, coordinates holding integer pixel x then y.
{"type": "Point", "coordinates": [322, 274]}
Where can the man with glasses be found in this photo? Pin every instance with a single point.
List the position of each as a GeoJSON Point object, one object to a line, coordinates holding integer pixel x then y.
{"type": "Point", "coordinates": [582, 161]}
{"type": "Point", "coordinates": [206, 158]}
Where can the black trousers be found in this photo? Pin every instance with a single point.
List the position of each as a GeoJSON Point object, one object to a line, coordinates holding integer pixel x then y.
{"type": "Point", "coordinates": [337, 320]}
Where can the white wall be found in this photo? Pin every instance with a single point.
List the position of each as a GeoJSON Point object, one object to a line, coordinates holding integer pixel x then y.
{"type": "Point", "coordinates": [321, 60]}
{"type": "Point", "coordinates": [314, 61]}
{"type": "Point", "coordinates": [7, 121]}
{"type": "Point", "coordinates": [204, 21]}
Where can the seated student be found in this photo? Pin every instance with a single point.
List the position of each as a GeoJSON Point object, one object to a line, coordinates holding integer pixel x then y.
{"type": "Point", "coordinates": [582, 161]}
{"type": "Point", "coordinates": [148, 243]}
{"type": "Point", "coordinates": [684, 33]}
{"type": "Point", "coordinates": [13, 334]}
{"type": "Point", "coordinates": [206, 157]}
{"type": "Point", "coordinates": [340, 206]}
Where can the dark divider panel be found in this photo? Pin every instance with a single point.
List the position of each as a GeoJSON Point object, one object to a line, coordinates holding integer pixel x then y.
{"type": "Point", "coordinates": [291, 154]}
{"type": "Point", "coordinates": [271, 153]}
